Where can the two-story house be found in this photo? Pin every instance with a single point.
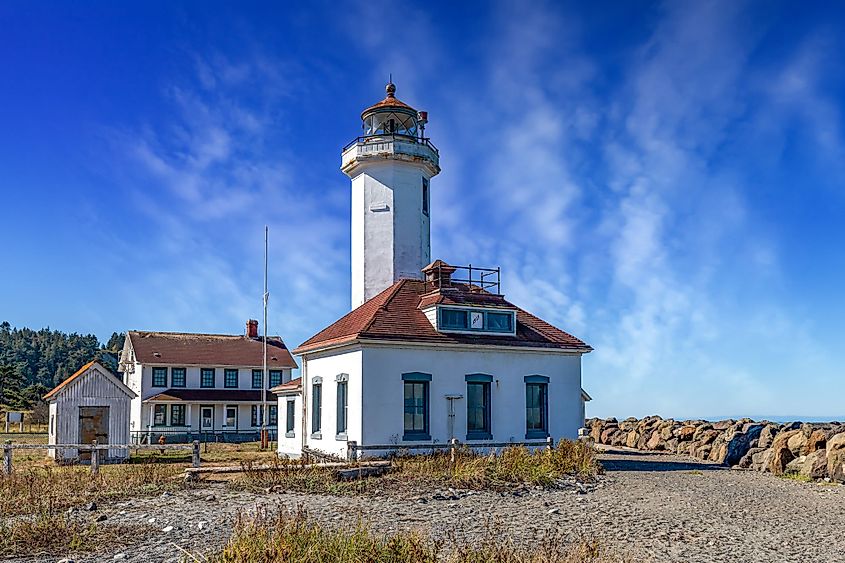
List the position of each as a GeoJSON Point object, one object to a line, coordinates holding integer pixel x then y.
{"type": "Point", "coordinates": [192, 386]}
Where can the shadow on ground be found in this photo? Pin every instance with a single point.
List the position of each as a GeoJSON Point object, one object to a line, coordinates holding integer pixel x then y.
{"type": "Point", "coordinates": [640, 461]}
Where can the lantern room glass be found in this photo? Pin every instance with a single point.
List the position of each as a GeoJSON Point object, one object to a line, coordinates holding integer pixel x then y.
{"type": "Point", "coordinates": [390, 123]}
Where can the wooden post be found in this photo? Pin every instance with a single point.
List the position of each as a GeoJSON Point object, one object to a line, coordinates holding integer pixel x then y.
{"type": "Point", "coordinates": [549, 443]}
{"type": "Point", "coordinates": [452, 446]}
{"type": "Point", "coordinates": [95, 459]}
{"type": "Point", "coordinates": [195, 458]}
{"type": "Point", "coordinates": [7, 458]}
{"type": "Point", "coordinates": [351, 450]}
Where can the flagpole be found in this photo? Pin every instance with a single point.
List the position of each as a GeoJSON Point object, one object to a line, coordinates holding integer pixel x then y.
{"type": "Point", "coordinates": [264, 379]}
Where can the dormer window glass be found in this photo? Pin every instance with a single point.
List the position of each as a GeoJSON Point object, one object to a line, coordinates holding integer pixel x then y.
{"type": "Point", "coordinates": [479, 320]}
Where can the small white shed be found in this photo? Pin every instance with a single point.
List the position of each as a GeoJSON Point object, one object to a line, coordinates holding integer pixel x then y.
{"type": "Point", "coordinates": [92, 404]}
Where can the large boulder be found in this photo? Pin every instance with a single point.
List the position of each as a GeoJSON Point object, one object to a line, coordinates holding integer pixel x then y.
{"type": "Point", "coordinates": [632, 439]}
{"type": "Point", "coordinates": [816, 441]}
{"type": "Point", "coordinates": [747, 461]}
{"type": "Point", "coordinates": [739, 444]}
{"type": "Point", "coordinates": [781, 453]}
{"type": "Point", "coordinates": [760, 460]}
{"type": "Point", "coordinates": [813, 466]}
{"type": "Point", "coordinates": [767, 435]}
{"type": "Point", "coordinates": [797, 442]}
{"type": "Point", "coordinates": [655, 442]}
{"type": "Point", "coordinates": [836, 457]}
{"type": "Point", "coordinates": [685, 433]}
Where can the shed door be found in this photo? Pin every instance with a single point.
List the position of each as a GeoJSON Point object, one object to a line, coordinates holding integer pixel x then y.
{"type": "Point", "coordinates": [93, 425]}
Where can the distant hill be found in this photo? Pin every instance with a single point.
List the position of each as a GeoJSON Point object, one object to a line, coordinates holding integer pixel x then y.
{"type": "Point", "coordinates": [34, 361]}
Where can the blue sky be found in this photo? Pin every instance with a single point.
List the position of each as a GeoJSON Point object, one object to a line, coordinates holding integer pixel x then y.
{"type": "Point", "coordinates": [665, 181]}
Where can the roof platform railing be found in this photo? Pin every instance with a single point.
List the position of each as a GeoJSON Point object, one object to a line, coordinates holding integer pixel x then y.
{"type": "Point", "coordinates": [476, 278]}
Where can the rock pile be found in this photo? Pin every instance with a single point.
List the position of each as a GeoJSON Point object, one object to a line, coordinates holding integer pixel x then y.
{"type": "Point", "coordinates": [814, 451]}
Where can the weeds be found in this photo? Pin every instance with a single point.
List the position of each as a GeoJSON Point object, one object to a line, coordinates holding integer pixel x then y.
{"type": "Point", "coordinates": [471, 470]}
{"type": "Point", "coordinates": [795, 476]}
{"type": "Point", "coordinates": [266, 538]}
{"type": "Point", "coordinates": [58, 534]}
{"type": "Point", "coordinates": [49, 490]}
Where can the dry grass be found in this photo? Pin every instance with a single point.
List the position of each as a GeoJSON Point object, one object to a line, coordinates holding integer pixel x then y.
{"type": "Point", "coordinates": [59, 535]}
{"type": "Point", "coordinates": [470, 470]}
{"type": "Point", "coordinates": [49, 490]}
{"type": "Point", "coordinates": [293, 539]}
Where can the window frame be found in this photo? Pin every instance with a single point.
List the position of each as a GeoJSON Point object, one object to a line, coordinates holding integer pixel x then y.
{"type": "Point", "coordinates": [260, 374]}
{"type": "Point", "coordinates": [290, 418]}
{"type": "Point", "coordinates": [467, 327]}
{"type": "Point", "coordinates": [272, 415]}
{"type": "Point", "coordinates": [342, 407]}
{"type": "Point", "coordinates": [254, 415]}
{"type": "Point", "coordinates": [423, 379]}
{"type": "Point", "coordinates": [159, 371]}
{"type": "Point", "coordinates": [273, 373]}
{"type": "Point", "coordinates": [226, 373]}
{"type": "Point", "coordinates": [317, 408]}
{"type": "Point", "coordinates": [542, 382]}
{"type": "Point", "coordinates": [180, 407]}
{"type": "Point", "coordinates": [486, 383]}
{"type": "Point", "coordinates": [226, 416]}
{"type": "Point", "coordinates": [173, 372]}
{"type": "Point", "coordinates": [163, 414]}
{"type": "Point", "coordinates": [426, 197]}
{"type": "Point", "coordinates": [203, 373]}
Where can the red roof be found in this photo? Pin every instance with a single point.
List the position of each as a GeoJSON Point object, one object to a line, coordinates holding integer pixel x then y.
{"type": "Point", "coordinates": [396, 314]}
{"type": "Point", "coordinates": [208, 349]}
{"type": "Point", "coordinates": [390, 101]}
{"type": "Point", "coordinates": [292, 385]}
{"type": "Point", "coordinates": [82, 371]}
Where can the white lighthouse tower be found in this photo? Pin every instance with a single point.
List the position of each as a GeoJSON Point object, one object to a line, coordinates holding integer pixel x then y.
{"type": "Point", "coordinates": [391, 166]}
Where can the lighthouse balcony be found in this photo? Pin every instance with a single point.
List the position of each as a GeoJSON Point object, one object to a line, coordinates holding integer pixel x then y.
{"type": "Point", "coordinates": [400, 147]}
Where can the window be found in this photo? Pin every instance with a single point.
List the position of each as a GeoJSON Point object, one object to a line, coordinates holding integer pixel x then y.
{"type": "Point", "coordinates": [207, 377]}
{"type": "Point", "coordinates": [316, 409]}
{"type": "Point", "coordinates": [425, 196]}
{"type": "Point", "coordinates": [289, 420]}
{"type": "Point", "coordinates": [159, 415]}
{"type": "Point", "coordinates": [341, 409]}
{"type": "Point", "coordinates": [255, 416]}
{"type": "Point", "coordinates": [257, 378]}
{"type": "Point", "coordinates": [415, 409]}
{"type": "Point", "coordinates": [52, 424]}
{"type": "Point", "coordinates": [177, 377]}
{"type": "Point", "coordinates": [453, 318]}
{"type": "Point", "coordinates": [536, 406]}
{"type": "Point", "coordinates": [231, 416]}
{"type": "Point", "coordinates": [499, 322]}
{"type": "Point", "coordinates": [273, 415]}
{"type": "Point", "coordinates": [275, 377]}
{"type": "Point", "coordinates": [230, 379]}
{"type": "Point", "coordinates": [478, 407]}
{"type": "Point", "coordinates": [470, 320]}
{"type": "Point", "coordinates": [159, 377]}
{"type": "Point", "coordinates": [177, 415]}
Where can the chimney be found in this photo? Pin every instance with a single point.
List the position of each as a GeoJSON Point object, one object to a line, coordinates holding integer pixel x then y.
{"type": "Point", "coordinates": [439, 274]}
{"type": "Point", "coordinates": [252, 328]}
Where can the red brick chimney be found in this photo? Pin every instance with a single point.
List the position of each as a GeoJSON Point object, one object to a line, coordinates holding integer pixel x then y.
{"type": "Point", "coordinates": [439, 274]}
{"type": "Point", "coordinates": [252, 328]}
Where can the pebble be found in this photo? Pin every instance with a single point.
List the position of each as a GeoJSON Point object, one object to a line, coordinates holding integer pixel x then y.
{"type": "Point", "coordinates": [91, 506]}
{"type": "Point", "coordinates": [119, 556]}
{"type": "Point", "coordinates": [167, 529]}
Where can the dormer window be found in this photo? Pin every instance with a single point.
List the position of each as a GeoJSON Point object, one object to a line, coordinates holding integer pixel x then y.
{"type": "Point", "coordinates": [475, 320]}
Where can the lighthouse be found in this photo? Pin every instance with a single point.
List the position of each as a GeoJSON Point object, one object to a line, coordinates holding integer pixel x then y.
{"type": "Point", "coordinates": [391, 166]}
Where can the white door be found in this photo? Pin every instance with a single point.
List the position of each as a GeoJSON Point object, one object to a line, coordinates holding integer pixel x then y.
{"type": "Point", "coordinates": [207, 417]}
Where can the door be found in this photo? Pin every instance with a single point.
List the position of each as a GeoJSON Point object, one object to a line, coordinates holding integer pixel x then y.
{"type": "Point", "coordinates": [93, 425]}
{"type": "Point", "coordinates": [207, 418]}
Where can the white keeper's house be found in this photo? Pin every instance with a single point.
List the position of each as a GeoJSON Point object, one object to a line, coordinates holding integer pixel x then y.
{"type": "Point", "coordinates": [430, 351]}
{"type": "Point", "coordinates": [202, 386]}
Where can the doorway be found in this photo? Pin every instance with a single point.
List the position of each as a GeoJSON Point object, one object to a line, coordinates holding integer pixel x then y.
{"type": "Point", "coordinates": [207, 417]}
{"type": "Point", "coordinates": [93, 425]}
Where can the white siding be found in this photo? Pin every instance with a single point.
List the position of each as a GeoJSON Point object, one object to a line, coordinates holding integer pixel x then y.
{"type": "Point", "coordinates": [290, 445]}
{"type": "Point", "coordinates": [93, 389]}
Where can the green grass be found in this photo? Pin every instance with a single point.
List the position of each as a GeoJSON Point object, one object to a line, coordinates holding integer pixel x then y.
{"type": "Point", "coordinates": [266, 538]}
{"type": "Point", "coordinates": [470, 470]}
{"type": "Point", "coordinates": [793, 476]}
{"type": "Point", "coordinates": [58, 535]}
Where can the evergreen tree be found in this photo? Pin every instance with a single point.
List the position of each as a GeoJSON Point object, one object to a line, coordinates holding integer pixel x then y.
{"type": "Point", "coordinates": [11, 388]}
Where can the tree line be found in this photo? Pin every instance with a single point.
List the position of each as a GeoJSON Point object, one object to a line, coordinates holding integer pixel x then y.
{"type": "Point", "coordinates": [34, 361]}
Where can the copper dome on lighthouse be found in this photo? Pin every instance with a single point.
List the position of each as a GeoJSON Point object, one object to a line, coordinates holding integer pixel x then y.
{"type": "Point", "coordinates": [392, 116]}
{"type": "Point", "coordinates": [390, 101]}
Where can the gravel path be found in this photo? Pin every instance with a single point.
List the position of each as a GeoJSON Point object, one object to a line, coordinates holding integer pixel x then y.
{"type": "Point", "coordinates": [657, 507]}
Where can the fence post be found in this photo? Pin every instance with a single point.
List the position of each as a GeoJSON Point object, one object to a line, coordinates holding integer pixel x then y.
{"type": "Point", "coordinates": [95, 458]}
{"type": "Point", "coordinates": [195, 458]}
{"type": "Point", "coordinates": [351, 450]}
{"type": "Point", "coordinates": [452, 446]}
{"type": "Point", "coordinates": [549, 443]}
{"type": "Point", "coordinates": [7, 457]}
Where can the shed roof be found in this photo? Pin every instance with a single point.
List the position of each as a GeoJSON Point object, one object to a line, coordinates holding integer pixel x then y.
{"type": "Point", "coordinates": [81, 372]}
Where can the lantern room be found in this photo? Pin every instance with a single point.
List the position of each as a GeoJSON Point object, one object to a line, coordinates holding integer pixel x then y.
{"type": "Point", "coordinates": [392, 117]}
